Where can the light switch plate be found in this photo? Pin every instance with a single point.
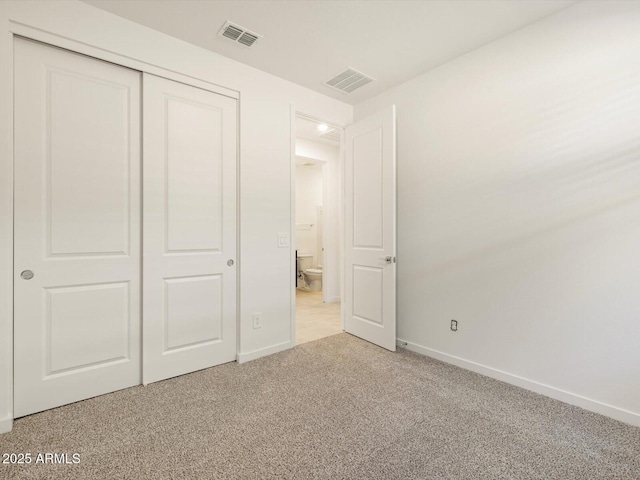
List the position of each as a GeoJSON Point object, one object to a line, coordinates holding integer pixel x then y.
{"type": "Point", "coordinates": [283, 240]}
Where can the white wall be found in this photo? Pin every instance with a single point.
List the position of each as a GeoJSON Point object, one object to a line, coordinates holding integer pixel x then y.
{"type": "Point", "coordinates": [308, 197]}
{"type": "Point", "coordinates": [332, 178]}
{"type": "Point", "coordinates": [266, 103]}
{"type": "Point", "coordinates": [519, 208]}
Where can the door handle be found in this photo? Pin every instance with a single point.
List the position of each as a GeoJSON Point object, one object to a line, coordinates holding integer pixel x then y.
{"type": "Point", "coordinates": [388, 260]}
{"type": "Point", "coordinates": [230, 262]}
{"type": "Point", "coordinates": [26, 275]}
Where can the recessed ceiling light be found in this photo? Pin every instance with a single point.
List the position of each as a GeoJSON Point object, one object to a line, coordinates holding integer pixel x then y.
{"type": "Point", "coordinates": [323, 127]}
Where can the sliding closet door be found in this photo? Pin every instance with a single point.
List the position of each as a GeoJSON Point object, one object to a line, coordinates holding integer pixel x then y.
{"type": "Point", "coordinates": [190, 149]}
{"type": "Point", "coordinates": [77, 227]}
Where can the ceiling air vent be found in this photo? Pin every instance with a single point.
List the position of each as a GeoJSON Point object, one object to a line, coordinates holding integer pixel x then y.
{"type": "Point", "coordinates": [349, 80]}
{"type": "Point", "coordinates": [238, 34]}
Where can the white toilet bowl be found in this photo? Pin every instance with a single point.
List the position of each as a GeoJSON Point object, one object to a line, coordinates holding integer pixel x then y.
{"type": "Point", "coordinates": [313, 278]}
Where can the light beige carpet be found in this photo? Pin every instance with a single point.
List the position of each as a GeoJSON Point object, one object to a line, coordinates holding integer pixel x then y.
{"type": "Point", "coordinates": [334, 408]}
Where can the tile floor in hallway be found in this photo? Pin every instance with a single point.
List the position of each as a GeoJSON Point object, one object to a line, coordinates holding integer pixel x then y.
{"type": "Point", "coordinates": [315, 319]}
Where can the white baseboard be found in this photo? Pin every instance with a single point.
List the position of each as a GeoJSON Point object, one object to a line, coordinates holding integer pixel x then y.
{"type": "Point", "coordinates": [263, 352]}
{"type": "Point", "coordinates": [616, 413]}
{"type": "Point", "coordinates": [6, 424]}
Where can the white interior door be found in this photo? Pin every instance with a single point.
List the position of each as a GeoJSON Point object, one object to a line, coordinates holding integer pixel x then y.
{"type": "Point", "coordinates": [370, 219]}
{"type": "Point", "coordinates": [77, 227]}
{"type": "Point", "coordinates": [189, 293]}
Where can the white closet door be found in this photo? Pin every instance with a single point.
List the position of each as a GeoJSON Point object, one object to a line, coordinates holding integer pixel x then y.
{"type": "Point", "coordinates": [190, 148]}
{"type": "Point", "coordinates": [77, 227]}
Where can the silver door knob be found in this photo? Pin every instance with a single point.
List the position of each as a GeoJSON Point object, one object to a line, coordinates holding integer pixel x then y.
{"type": "Point", "coordinates": [230, 262]}
{"type": "Point", "coordinates": [26, 275]}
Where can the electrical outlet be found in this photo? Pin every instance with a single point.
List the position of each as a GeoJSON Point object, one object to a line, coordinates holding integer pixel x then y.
{"type": "Point", "coordinates": [454, 325]}
{"type": "Point", "coordinates": [257, 320]}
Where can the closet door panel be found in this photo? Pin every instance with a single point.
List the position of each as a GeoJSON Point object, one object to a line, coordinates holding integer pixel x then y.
{"type": "Point", "coordinates": [190, 149]}
{"type": "Point", "coordinates": [77, 227]}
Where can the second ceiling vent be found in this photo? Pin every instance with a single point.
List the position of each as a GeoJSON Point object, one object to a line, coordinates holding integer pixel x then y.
{"type": "Point", "coordinates": [238, 34]}
{"type": "Point", "coordinates": [349, 80]}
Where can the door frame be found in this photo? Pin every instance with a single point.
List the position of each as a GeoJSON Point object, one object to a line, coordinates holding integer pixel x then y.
{"type": "Point", "coordinates": [11, 30]}
{"type": "Point", "coordinates": [294, 113]}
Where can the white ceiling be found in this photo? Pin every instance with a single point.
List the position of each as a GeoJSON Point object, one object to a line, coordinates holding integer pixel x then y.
{"type": "Point", "coordinates": [309, 42]}
{"type": "Point", "coordinates": [308, 129]}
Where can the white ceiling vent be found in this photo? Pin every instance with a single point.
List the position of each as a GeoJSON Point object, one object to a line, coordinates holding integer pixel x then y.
{"type": "Point", "coordinates": [238, 34]}
{"type": "Point", "coordinates": [349, 80]}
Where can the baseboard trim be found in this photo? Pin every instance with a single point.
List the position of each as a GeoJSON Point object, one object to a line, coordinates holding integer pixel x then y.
{"type": "Point", "coordinates": [616, 413]}
{"type": "Point", "coordinates": [263, 352]}
{"type": "Point", "coordinates": [6, 424]}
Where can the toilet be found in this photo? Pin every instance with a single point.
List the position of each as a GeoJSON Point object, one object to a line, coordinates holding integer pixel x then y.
{"type": "Point", "coordinates": [311, 277]}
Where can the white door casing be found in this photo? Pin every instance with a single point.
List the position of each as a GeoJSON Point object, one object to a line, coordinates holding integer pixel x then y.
{"type": "Point", "coordinates": [189, 292]}
{"type": "Point", "coordinates": [77, 227]}
{"type": "Point", "coordinates": [370, 236]}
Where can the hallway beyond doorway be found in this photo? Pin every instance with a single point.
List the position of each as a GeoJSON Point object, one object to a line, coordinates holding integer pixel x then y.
{"type": "Point", "coordinates": [314, 318]}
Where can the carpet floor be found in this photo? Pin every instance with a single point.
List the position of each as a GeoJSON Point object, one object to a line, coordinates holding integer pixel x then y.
{"type": "Point", "coordinates": [337, 407]}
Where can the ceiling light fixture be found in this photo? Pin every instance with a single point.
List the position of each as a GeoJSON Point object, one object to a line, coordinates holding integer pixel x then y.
{"type": "Point", "coordinates": [323, 127]}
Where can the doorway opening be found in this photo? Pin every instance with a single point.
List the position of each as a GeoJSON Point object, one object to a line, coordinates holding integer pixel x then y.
{"type": "Point", "coordinates": [318, 216]}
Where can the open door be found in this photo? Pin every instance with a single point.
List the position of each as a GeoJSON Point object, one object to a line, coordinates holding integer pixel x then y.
{"type": "Point", "coordinates": [370, 219]}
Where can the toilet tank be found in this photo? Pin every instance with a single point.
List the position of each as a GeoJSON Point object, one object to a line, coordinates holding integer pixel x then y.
{"type": "Point", "coordinates": [305, 260]}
